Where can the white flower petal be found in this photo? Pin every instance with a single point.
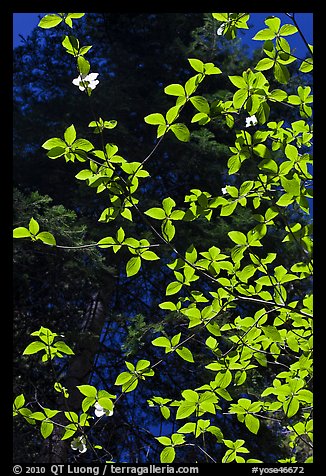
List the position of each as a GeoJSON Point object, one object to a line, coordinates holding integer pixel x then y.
{"type": "Point", "coordinates": [79, 444]}
{"type": "Point", "coordinates": [83, 449]}
{"type": "Point", "coordinates": [221, 29]}
{"type": "Point", "coordinates": [91, 76]}
{"type": "Point", "coordinates": [86, 81]}
{"type": "Point", "coordinates": [251, 121]}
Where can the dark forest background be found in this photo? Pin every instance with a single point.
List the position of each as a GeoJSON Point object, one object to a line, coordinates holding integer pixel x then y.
{"type": "Point", "coordinates": [84, 294]}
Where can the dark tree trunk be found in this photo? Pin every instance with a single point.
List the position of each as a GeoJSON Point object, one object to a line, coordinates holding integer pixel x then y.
{"type": "Point", "coordinates": [78, 372]}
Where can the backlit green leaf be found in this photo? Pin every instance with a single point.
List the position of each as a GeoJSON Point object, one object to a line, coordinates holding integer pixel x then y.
{"type": "Point", "coordinates": [167, 455]}
{"type": "Point", "coordinates": [46, 428]}
{"type": "Point", "coordinates": [50, 21]}
{"type": "Point", "coordinates": [70, 134]}
{"type": "Point", "coordinates": [264, 64]}
{"type": "Point", "coordinates": [33, 226]}
{"type": "Point", "coordinates": [133, 266]}
{"type": "Point", "coordinates": [173, 288]}
{"type": "Point", "coordinates": [21, 232]}
{"type": "Point", "coordinates": [155, 119]}
{"type": "Point", "coordinates": [252, 423]}
{"type": "Point", "coordinates": [34, 347]}
{"type": "Point", "coordinates": [157, 213]}
{"type": "Point", "coordinates": [181, 132]}
{"type": "Point", "coordinates": [47, 238]}
{"type": "Point", "coordinates": [185, 354]}
{"type": "Point", "coordinates": [175, 90]}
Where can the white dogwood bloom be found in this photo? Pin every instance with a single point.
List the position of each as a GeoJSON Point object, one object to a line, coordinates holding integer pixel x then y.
{"type": "Point", "coordinates": [224, 190]}
{"type": "Point", "coordinates": [99, 411]}
{"type": "Point", "coordinates": [79, 444]}
{"type": "Point", "coordinates": [88, 81]}
{"type": "Point", "coordinates": [251, 121]}
{"type": "Point", "coordinates": [221, 29]}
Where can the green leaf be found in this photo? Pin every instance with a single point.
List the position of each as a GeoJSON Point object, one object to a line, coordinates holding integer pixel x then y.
{"type": "Point", "coordinates": [83, 144]}
{"type": "Point", "coordinates": [70, 134]}
{"type": "Point", "coordinates": [287, 29]}
{"type": "Point", "coordinates": [238, 81]}
{"type": "Point", "coordinates": [83, 65]}
{"type": "Point", "coordinates": [190, 395]}
{"type": "Point", "coordinates": [168, 230]}
{"type": "Point", "coordinates": [71, 44]}
{"type": "Point", "coordinates": [191, 84]}
{"type": "Point", "coordinates": [54, 142]}
{"type": "Point", "coordinates": [264, 64]}
{"type": "Point", "coordinates": [106, 403]}
{"type": "Point", "coordinates": [84, 174]}
{"type": "Point", "coordinates": [33, 227]}
{"type": "Point", "coordinates": [155, 119]}
{"type": "Point", "coordinates": [181, 132]}
{"type": "Point", "coordinates": [200, 103]}
{"type": "Point", "coordinates": [34, 347]}
{"type": "Point", "coordinates": [149, 256]}
{"type": "Point", "coordinates": [238, 237]}
{"type": "Point", "coordinates": [278, 95]}
{"type": "Point", "coordinates": [291, 406]}
{"type": "Point", "coordinates": [281, 73]}
{"type": "Point", "coordinates": [63, 347]}
{"type": "Point", "coordinates": [262, 151]}
{"type": "Point", "coordinates": [21, 232]}
{"type": "Point", "coordinates": [133, 266]}
{"type": "Point", "coordinates": [292, 186]}
{"type": "Point", "coordinates": [50, 21]}
{"type": "Point", "coordinates": [162, 342]}
{"type": "Point", "coordinates": [216, 432]}
{"type": "Point", "coordinates": [167, 455]}
{"type": "Point", "coordinates": [46, 428]}
{"type": "Point", "coordinates": [38, 416]}
{"type": "Point", "coordinates": [173, 288]}
{"type": "Point", "coordinates": [172, 113]}
{"type": "Point", "coordinates": [168, 305]}
{"type": "Point", "coordinates": [56, 152]}
{"type": "Point", "coordinates": [177, 439]}
{"type": "Point", "coordinates": [175, 90]}
{"type": "Point", "coordinates": [272, 333]}
{"type": "Point", "coordinates": [239, 98]}
{"type": "Point", "coordinates": [196, 64]}
{"type": "Point", "coordinates": [252, 423]}
{"type": "Point", "coordinates": [157, 213]}
{"type": "Point", "coordinates": [168, 204]}
{"type": "Point", "coordinates": [123, 378]}
{"type": "Point", "coordinates": [273, 23]}
{"type": "Point", "coordinates": [223, 378]}
{"type": "Point", "coordinates": [265, 34]}
{"type": "Point", "coordinates": [306, 65]}
{"type": "Point", "coordinates": [165, 411]}
{"type": "Point", "coordinates": [185, 354]}
{"type": "Point", "coordinates": [185, 410]}
{"type": "Point", "coordinates": [228, 209]}
{"type": "Point", "coordinates": [47, 238]}
{"type": "Point", "coordinates": [220, 16]}
{"type": "Point", "coordinates": [210, 68]}
{"type": "Point", "coordinates": [19, 401]}
{"type": "Point", "coordinates": [87, 390]}
{"type": "Point", "coordinates": [285, 200]}
{"type": "Point", "coordinates": [70, 430]}
{"type": "Point", "coordinates": [164, 440]}
{"type": "Point", "coordinates": [187, 428]}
